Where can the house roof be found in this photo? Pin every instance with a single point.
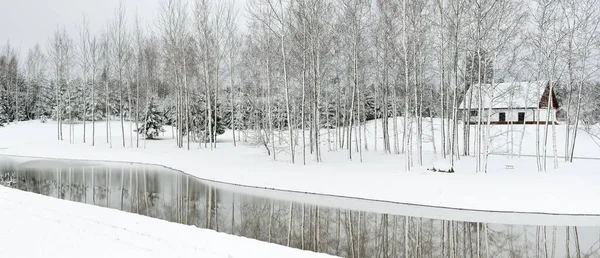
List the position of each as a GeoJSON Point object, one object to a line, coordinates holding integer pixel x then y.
{"type": "Point", "coordinates": [510, 95]}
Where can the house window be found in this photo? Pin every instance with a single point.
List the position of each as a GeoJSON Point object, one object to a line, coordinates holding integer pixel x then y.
{"type": "Point", "coordinates": [521, 116]}
{"type": "Point", "coordinates": [473, 112]}
{"type": "Point", "coordinates": [502, 117]}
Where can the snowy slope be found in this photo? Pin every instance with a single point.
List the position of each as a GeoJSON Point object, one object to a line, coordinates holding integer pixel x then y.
{"type": "Point", "coordinates": [568, 190]}
{"type": "Point", "coordinates": [33, 225]}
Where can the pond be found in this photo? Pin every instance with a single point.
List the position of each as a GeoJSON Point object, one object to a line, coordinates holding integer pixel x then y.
{"type": "Point", "coordinates": [335, 225]}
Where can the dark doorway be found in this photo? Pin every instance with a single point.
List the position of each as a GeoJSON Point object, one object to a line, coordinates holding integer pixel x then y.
{"type": "Point", "coordinates": [502, 117]}
{"type": "Point", "coordinates": [521, 116]}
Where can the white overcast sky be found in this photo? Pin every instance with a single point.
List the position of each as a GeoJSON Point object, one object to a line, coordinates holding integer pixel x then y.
{"type": "Point", "coordinates": [27, 22]}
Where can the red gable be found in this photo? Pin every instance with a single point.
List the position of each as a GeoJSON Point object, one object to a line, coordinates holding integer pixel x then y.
{"type": "Point", "coordinates": [544, 101]}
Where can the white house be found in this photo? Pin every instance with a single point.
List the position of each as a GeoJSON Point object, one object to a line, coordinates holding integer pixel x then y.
{"type": "Point", "coordinates": [509, 103]}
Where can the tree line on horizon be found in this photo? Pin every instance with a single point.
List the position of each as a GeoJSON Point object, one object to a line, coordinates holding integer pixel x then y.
{"type": "Point", "coordinates": [303, 67]}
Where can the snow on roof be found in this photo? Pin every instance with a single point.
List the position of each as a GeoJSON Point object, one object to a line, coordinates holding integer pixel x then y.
{"type": "Point", "coordinates": [505, 95]}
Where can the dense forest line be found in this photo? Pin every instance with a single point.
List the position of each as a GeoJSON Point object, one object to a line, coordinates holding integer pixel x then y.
{"type": "Point", "coordinates": [302, 66]}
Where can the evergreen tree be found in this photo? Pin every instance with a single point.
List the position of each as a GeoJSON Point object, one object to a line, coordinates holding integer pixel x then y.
{"type": "Point", "coordinates": [198, 120]}
{"type": "Point", "coordinates": [3, 116]}
{"type": "Point", "coordinates": [487, 69]}
{"type": "Point", "coordinates": [45, 101]}
{"type": "Point", "coordinates": [4, 107]}
{"type": "Point", "coordinates": [153, 121]}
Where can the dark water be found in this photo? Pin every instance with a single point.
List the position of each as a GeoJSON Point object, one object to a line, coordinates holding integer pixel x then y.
{"type": "Point", "coordinates": [300, 221]}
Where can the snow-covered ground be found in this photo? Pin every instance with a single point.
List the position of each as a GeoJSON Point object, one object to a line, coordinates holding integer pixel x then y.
{"type": "Point", "coordinates": [571, 189]}
{"type": "Point", "coordinates": [38, 226]}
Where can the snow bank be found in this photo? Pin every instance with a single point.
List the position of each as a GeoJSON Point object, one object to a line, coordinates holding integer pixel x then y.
{"type": "Point", "coordinates": [38, 226]}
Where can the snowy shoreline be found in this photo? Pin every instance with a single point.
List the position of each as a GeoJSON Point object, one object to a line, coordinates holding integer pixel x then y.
{"type": "Point", "coordinates": [40, 226]}
{"type": "Point", "coordinates": [556, 192]}
{"type": "Point", "coordinates": [386, 206]}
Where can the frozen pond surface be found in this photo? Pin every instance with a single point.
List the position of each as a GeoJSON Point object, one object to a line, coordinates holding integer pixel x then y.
{"type": "Point", "coordinates": [335, 225]}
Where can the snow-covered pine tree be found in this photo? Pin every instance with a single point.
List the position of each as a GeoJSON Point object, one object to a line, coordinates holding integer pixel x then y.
{"type": "Point", "coordinates": [3, 116]}
{"type": "Point", "coordinates": [200, 123]}
{"type": "Point", "coordinates": [153, 121]}
{"type": "Point", "coordinates": [4, 106]}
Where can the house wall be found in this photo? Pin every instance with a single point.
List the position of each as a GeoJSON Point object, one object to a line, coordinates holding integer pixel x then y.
{"type": "Point", "coordinates": [512, 115]}
{"type": "Point", "coordinates": [544, 112]}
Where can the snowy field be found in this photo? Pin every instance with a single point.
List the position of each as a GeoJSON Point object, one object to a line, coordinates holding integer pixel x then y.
{"type": "Point", "coordinates": [39, 226]}
{"type": "Point", "coordinates": [570, 189]}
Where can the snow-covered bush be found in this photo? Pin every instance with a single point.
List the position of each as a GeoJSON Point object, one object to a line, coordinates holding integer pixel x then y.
{"type": "Point", "coordinates": [442, 166]}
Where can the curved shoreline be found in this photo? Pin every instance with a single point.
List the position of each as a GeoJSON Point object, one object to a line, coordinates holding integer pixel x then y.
{"type": "Point", "coordinates": [36, 225]}
{"type": "Point", "coordinates": [385, 206]}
